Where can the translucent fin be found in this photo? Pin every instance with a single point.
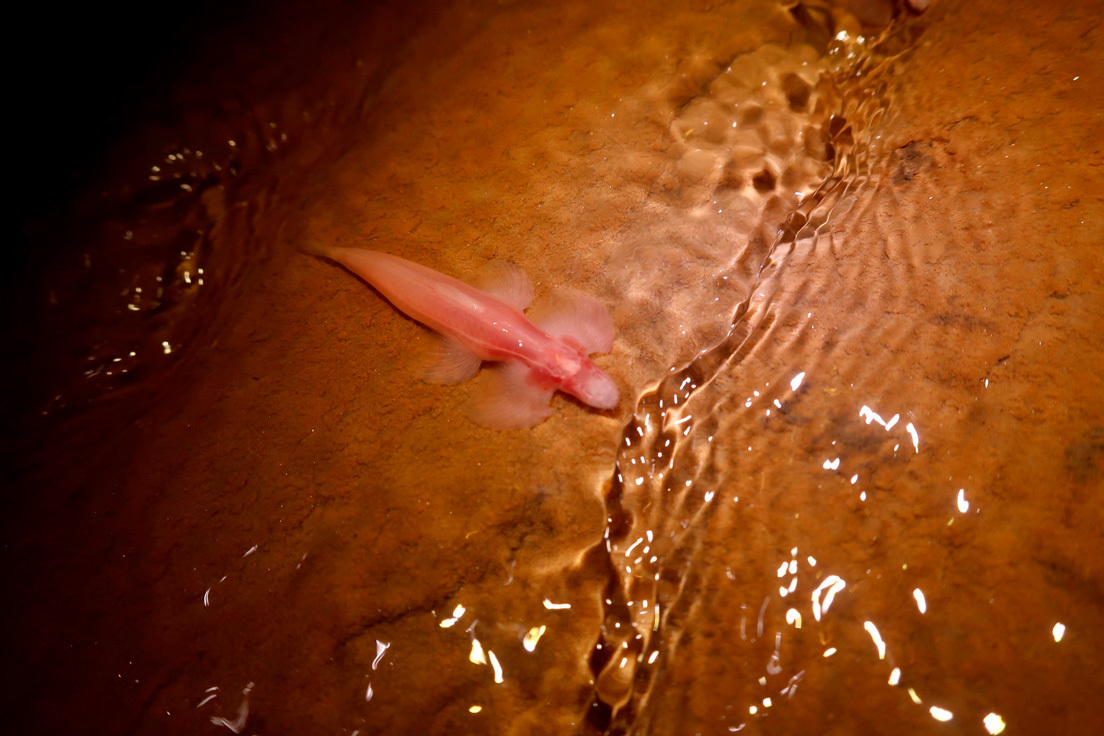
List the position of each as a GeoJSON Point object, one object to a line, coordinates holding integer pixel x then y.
{"type": "Point", "coordinates": [447, 361]}
{"type": "Point", "coordinates": [573, 314]}
{"type": "Point", "coordinates": [509, 283]}
{"type": "Point", "coordinates": [509, 399]}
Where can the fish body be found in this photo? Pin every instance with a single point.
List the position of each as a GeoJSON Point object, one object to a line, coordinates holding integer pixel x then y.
{"type": "Point", "coordinates": [533, 359]}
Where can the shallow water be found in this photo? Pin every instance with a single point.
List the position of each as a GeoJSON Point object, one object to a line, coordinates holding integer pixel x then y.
{"type": "Point", "coordinates": [854, 484]}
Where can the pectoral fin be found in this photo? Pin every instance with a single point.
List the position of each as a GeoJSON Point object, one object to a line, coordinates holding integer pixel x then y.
{"type": "Point", "coordinates": [509, 283]}
{"type": "Point", "coordinates": [572, 314]}
{"type": "Point", "coordinates": [509, 398]}
{"type": "Point", "coordinates": [448, 361]}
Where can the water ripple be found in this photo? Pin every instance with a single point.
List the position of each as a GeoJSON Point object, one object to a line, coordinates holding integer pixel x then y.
{"type": "Point", "coordinates": [810, 146]}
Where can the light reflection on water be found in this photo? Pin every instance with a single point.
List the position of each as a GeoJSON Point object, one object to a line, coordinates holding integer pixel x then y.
{"type": "Point", "coordinates": [669, 447]}
{"type": "Point", "coordinates": [666, 538]}
{"type": "Point", "coordinates": [144, 285]}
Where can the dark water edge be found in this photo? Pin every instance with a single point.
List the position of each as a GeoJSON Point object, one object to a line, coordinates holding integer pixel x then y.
{"type": "Point", "coordinates": [105, 92]}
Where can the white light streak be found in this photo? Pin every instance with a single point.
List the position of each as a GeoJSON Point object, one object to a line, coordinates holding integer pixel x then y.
{"type": "Point", "coordinates": [940, 714]}
{"type": "Point", "coordinates": [829, 651]}
{"type": "Point", "coordinates": [921, 603]}
{"type": "Point", "coordinates": [793, 618]}
{"type": "Point", "coordinates": [994, 724]}
{"type": "Point", "coordinates": [457, 613]}
{"type": "Point", "coordinates": [833, 584]}
{"type": "Point", "coordinates": [250, 551]}
{"type": "Point", "coordinates": [381, 647]}
{"type": "Point", "coordinates": [368, 693]}
{"type": "Point", "coordinates": [791, 687]}
{"type": "Point", "coordinates": [1058, 631]}
{"type": "Point", "coordinates": [868, 414]}
{"type": "Point", "coordinates": [556, 606]}
{"type": "Point", "coordinates": [795, 382]}
{"type": "Point", "coordinates": [963, 504]}
{"type": "Point", "coordinates": [238, 724]}
{"type": "Point", "coordinates": [915, 436]}
{"type": "Point", "coordinates": [532, 637]}
{"type": "Point", "coordinates": [477, 656]}
{"type": "Point", "coordinates": [832, 464]}
{"type": "Point", "coordinates": [475, 708]}
{"type": "Point", "coordinates": [873, 631]}
{"type": "Point", "coordinates": [895, 676]}
{"type": "Point", "coordinates": [496, 667]}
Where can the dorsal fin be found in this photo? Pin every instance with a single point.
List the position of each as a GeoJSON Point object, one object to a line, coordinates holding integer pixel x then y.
{"type": "Point", "coordinates": [507, 282]}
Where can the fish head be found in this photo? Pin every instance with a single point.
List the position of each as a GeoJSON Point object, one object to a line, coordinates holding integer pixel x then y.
{"type": "Point", "coordinates": [593, 386]}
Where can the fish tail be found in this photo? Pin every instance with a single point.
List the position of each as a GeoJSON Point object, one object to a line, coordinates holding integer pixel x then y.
{"type": "Point", "coordinates": [313, 247]}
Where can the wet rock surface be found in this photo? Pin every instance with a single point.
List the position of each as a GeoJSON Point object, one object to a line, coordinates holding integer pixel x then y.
{"type": "Point", "coordinates": [881, 284]}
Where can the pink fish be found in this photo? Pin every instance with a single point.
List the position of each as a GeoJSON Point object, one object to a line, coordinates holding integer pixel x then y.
{"type": "Point", "coordinates": [533, 359]}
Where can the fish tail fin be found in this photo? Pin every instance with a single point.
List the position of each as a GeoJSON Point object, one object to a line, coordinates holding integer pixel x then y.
{"type": "Point", "coordinates": [313, 247]}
